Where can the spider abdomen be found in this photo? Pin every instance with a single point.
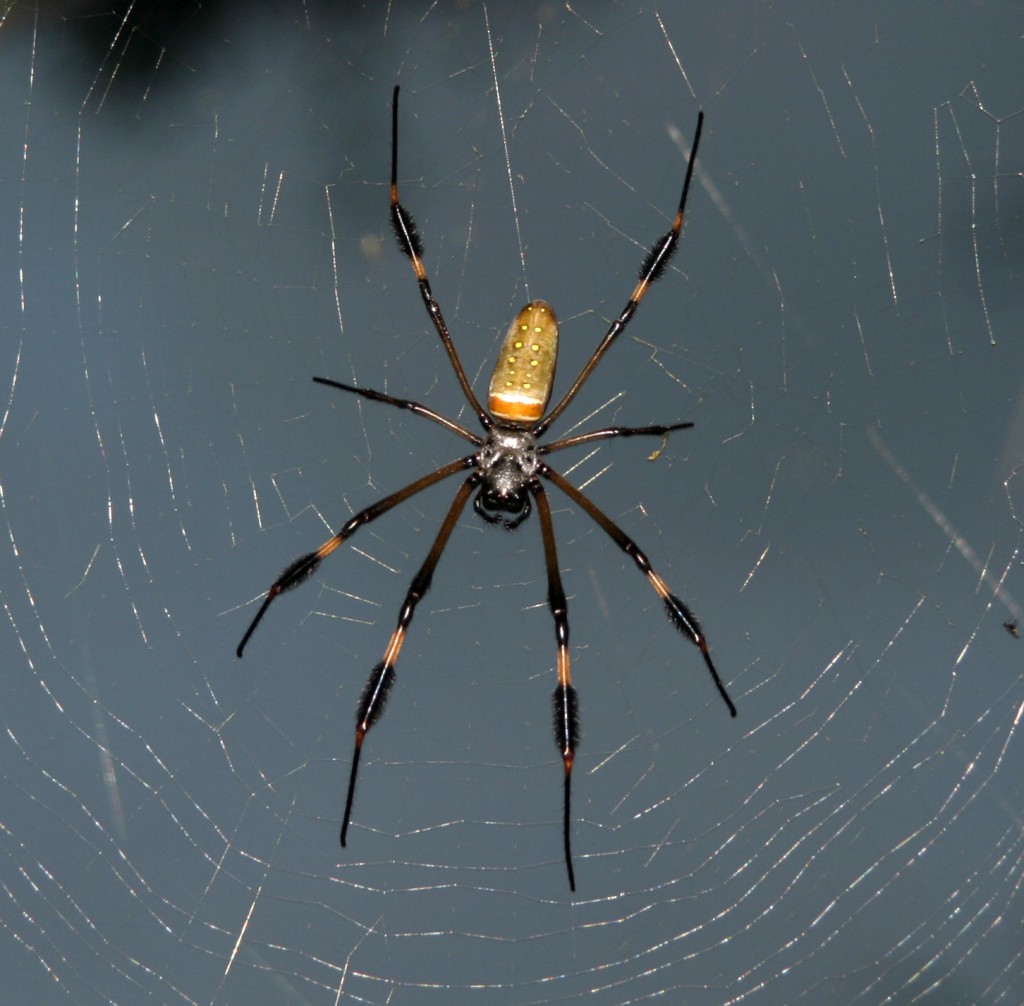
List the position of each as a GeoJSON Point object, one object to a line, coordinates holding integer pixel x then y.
{"type": "Point", "coordinates": [521, 383]}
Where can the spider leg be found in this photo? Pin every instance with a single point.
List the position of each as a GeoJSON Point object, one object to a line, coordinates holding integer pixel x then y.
{"type": "Point", "coordinates": [305, 565]}
{"type": "Point", "coordinates": [411, 244]}
{"type": "Point", "coordinates": [404, 403]}
{"type": "Point", "coordinates": [678, 612]}
{"type": "Point", "coordinates": [567, 729]}
{"type": "Point", "coordinates": [375, 694]}
{"type": "Point", "coordinates": [611, 431]}
{"type": "Point", "coordinates": [653, 266]}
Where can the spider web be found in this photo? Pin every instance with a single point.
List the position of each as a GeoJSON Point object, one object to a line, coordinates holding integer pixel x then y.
{"type": "Point", "coordinates": [194, 220]}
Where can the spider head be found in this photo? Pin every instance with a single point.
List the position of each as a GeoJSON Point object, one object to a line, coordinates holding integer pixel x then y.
{"type": "Point", "coordinates": [495, 506]}
{"type": "Point", "coordinates": [508, 462]}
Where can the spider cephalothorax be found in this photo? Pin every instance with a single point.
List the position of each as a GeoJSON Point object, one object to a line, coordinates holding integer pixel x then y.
{"type": "Point", "coordinates": [507, 469]}
{"type": "Point", "coordinates": [509, 462]}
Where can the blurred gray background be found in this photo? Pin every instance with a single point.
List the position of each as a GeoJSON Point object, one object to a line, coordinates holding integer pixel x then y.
{"type": "Point", "coordinates": [194, 218]}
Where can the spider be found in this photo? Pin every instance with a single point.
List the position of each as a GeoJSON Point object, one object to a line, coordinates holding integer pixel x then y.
{"type": "Point", "coordinates": [506, 469]}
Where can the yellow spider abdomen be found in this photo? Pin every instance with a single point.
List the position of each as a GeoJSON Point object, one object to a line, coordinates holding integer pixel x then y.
{"type": "Point", "coordinates": [521, 383]}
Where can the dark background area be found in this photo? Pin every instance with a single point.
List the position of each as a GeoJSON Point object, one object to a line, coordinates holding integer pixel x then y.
{"type": "Point", "coordinates": [194, 217]}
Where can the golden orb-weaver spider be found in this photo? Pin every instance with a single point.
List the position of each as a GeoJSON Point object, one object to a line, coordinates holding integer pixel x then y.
{"type": "Point", "coordinates": [505, 469]}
